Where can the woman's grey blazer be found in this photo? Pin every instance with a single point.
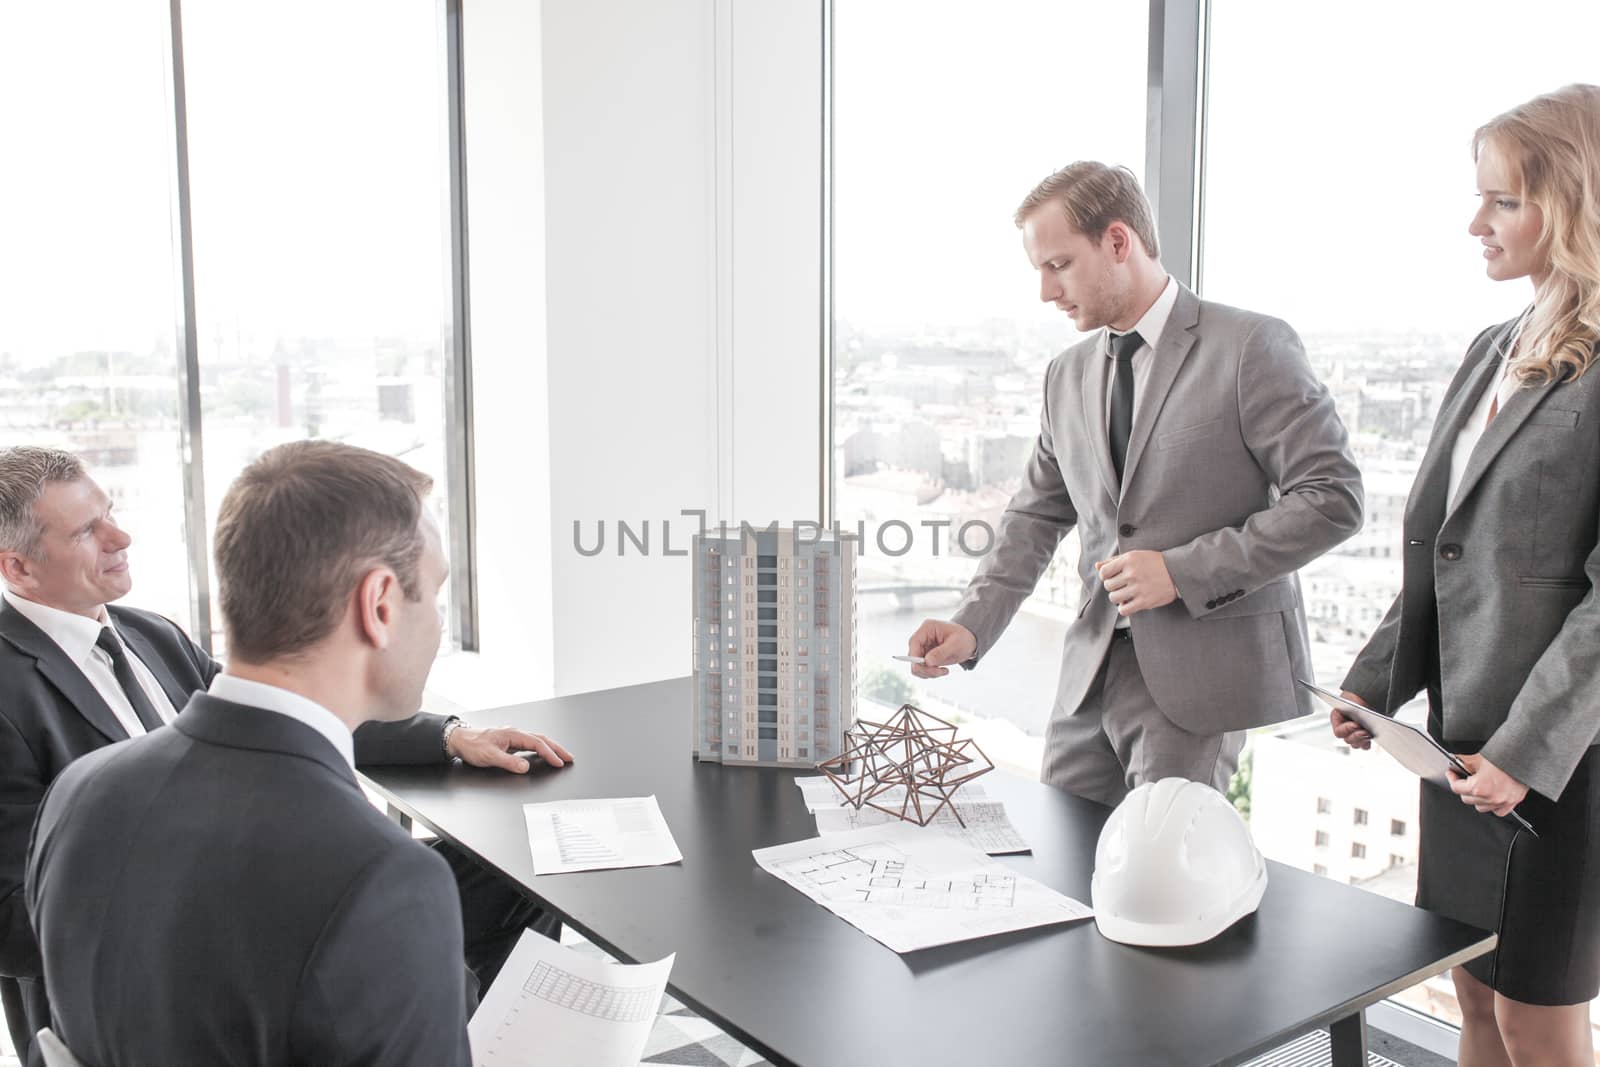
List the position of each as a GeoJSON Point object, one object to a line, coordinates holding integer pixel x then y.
{"type": "Point", "coordinates": [1513, 567]}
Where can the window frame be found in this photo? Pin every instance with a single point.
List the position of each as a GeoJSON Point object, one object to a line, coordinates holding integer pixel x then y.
{"type": "Point", "coordinates": [456, 342]}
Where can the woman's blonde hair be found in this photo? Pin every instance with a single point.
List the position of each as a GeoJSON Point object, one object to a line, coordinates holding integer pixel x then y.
{"type": "Point", "coordinates": [1552, 146]}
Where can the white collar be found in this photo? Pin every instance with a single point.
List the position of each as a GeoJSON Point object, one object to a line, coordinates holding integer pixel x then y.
{"type": "Point", "coordinates": [272, 698]}
{"type": "Point", "coordinates": [74, 634]}
{"type": "Point", "coordinates": [1153, 321]}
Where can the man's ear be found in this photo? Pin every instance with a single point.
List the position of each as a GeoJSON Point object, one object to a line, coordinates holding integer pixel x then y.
{"type": "Point", "coordinates": [16, 570]}
{"type": "Point", "coordinates": [1121, 239]}
{"type": "Point", "coordinates": [375, 605]}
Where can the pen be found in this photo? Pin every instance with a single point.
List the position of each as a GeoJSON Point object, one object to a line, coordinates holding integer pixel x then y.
{"type": "Point", "coordinates": [1522, 823]}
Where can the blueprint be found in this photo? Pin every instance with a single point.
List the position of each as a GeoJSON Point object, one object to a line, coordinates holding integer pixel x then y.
{"type": "Point", "coordinates": [820, 793]}
{"type": "Point", "coordinates": [552, 1006]}
{"type": "Point", "coordinates": [593, 835]}
{"type": "Point", "coordinates": [910, 889]}
{"type": "Point", "coordinates": [987, 829]}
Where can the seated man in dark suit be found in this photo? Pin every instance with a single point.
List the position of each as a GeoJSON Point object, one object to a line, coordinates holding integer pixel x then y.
{"type": "Point", "coordinates": [221, 891]}
{"type": "Point", "coordinates": [77, 674]}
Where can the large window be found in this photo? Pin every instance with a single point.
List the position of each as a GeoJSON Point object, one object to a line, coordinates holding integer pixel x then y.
{"type": "Point", "coordinates": [88, 297]}
{"type": "Point", "coordinates": [322, 280]}
{"type": "Point", "coordinates": [1338, 189]}
{"type": "Point", "coordinates": [319, 166]}
{"type": "Point", "coordinates": [942, 123]}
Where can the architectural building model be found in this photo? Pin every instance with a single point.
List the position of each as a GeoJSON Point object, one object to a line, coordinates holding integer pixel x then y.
{"type": "Point", "coordinates": [774, 646]}
{"type": "Point", "coordinates": [908, 767]}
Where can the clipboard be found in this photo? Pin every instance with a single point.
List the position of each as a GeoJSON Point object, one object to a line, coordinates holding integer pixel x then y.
{"type": "Point", "coordinates": [1413, 749]}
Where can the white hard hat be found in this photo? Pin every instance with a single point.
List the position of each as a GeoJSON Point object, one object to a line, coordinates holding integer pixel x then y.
{"type": "Point", "coordinates": [1175, 866]}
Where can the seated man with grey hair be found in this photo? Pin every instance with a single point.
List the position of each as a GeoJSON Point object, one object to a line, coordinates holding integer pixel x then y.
{"type": "Point", "coordinates": [78, 672]}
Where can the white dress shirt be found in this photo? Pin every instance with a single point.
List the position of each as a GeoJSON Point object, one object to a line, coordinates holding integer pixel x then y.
{"type": "Point", "coordinates": [300, 709]}
{"type": "Point", "coordinates": [1500, 391]}
{"type": "Point", "coordinates": [76, 635]}
{"type": "Point", "coordinates": [1150, 327]}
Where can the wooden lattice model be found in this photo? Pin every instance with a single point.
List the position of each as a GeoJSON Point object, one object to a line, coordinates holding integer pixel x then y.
{"type": "Point", "coordinates": [909, 767]}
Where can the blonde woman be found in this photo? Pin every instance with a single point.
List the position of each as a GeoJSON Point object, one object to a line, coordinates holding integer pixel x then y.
{"type": "Point", "coordinates": [1498, 618]}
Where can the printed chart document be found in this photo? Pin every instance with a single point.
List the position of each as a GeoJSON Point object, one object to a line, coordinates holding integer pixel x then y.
{"type": "Point", "coordinates": [987, 829]}
{"type": "Point", "coordinates": [553, 1006]}
{"type": "Point", "coordinates": [598, 835]}
{"type": "Point", "coordinates": [910, 889]}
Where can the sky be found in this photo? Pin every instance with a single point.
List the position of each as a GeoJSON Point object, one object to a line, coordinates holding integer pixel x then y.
{"type": "Point", "coordinates": [1338, 181]}
{"type": "Point", "coordinates": [1338, 177]}
{"type": "Point", "coordinates": [316, 164]}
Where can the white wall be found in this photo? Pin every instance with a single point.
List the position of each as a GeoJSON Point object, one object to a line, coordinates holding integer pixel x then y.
{"type": "Point", "coordinates": [663, 353]}
{"type": "Point", "coordinates": [774, 72]}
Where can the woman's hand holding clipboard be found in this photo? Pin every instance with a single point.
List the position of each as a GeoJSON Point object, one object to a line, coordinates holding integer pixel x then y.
{"type": "Point", "coordinates": [1414, 749]}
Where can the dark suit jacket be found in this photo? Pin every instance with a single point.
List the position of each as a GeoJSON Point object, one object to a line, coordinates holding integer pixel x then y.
{"type": "Point", "coordinates": [50, 715]}
{"type": "Point", "coordinates": [1513, 566]}
{"type": "Point", "coordinates": [221, 892]}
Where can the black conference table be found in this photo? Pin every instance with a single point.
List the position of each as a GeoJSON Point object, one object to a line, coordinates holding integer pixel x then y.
{"type": "Point", "coordinates": [801, 986]}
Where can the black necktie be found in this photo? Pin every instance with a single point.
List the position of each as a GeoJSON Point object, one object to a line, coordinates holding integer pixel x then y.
{"type": "Point", "coordinates": [135, 693]}
{"type": "Point", "coordinates": [1122, 348]}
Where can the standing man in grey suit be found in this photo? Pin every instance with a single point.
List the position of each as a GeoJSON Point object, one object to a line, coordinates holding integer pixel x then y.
{"type": "Point", "coordinates": [1202, 463]}
{"type": "Point", "coordinates": [220, 891]}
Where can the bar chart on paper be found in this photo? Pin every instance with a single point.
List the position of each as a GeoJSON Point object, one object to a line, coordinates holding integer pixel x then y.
{"type": "Point", "coordinates": [577, 846]}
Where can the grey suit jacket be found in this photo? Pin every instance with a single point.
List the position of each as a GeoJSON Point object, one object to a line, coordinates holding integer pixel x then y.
{"type": "Point", "coordinates": [1512, 567]}
{"type": "Point", "coordinates": [1238, 471]}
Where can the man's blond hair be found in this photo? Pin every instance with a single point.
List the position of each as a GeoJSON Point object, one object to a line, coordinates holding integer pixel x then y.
{"type": "Point", "coordinates": [1094, 195]}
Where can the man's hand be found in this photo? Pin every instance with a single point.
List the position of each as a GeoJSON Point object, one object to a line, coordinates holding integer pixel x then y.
{"type": "Point", "coordinates": [1137, 581]}
{"type": "Point", "coordinates": [940, 643]}
{"type": "Point", "coordinates": [497, 748]}
{"type": "Point", "coordinates": [1348, 730]}
{"type": "Point", "coordinates": [1487, 788]}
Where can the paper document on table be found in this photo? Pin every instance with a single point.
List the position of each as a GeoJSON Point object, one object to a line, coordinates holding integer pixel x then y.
{"type": "Point", "coordinates": [820, 793]}
{"type": "Point", "coordinates": [910, 889]}
{"type": "Point", "coordinates": [597, 835]}
{"type": "Point", "coordinates": [987, 829]}
{"type": "Point", "coordinates": [553, 1006]}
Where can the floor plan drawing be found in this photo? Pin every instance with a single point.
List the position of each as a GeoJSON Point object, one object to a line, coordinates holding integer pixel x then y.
{"type": "Point", "coordinates": [910, 887]}
{"type": "Point", "coordinates": [979, 892]}
{"type": "Point", "coordinates": [986, 828]}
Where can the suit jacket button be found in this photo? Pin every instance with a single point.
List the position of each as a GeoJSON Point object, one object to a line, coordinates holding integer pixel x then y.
{"type": "Point", "coordinates": [1127, 530]}
{"type": "Point", "coordinates": [1210, 604]}
{"type": "Point", "coordinates": [1451, 552]}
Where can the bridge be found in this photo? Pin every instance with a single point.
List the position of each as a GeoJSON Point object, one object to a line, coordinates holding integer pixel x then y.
{"type": "Point", "coordinates": [906, 594]}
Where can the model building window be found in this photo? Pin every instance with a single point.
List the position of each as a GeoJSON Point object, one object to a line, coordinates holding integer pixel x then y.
{"type": "Point", "coordinates": [1397, 828]}
{"type": "Point", "coordinates": [1322, 839]}
{"type": "Point", "coordinates": [1358, 851]}
{"type": "Point", "coordinates": [1361, 816]}
{"type": "Point", "coordinates": [1324, 805]}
